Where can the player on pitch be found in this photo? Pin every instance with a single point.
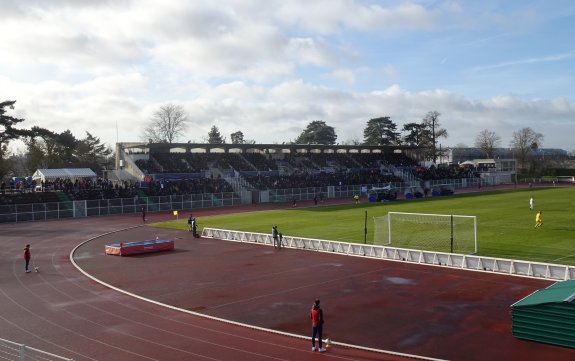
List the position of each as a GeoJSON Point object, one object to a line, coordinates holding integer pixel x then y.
{"type": "Point", "coordinates": [539, 219]}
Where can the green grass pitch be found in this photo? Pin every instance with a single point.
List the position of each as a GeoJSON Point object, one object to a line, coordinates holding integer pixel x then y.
{"type": "Point", "coordinates": [504, 221]}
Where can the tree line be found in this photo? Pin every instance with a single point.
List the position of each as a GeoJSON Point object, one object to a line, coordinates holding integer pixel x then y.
{"type": "Point", "coordinates": [170, 122]}
{"type": "Point", "coordinates": [47, 149]}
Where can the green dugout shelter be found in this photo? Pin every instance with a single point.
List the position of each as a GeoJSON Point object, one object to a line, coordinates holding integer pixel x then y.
{"type": "Point", "coordinates": [547, 315]}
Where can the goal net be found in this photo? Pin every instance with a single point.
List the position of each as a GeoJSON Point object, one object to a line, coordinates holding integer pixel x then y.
{"type": "Point", "coordinates": [429, 232]}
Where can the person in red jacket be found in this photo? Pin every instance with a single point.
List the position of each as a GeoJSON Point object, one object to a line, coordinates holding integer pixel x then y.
{"type": "Point", "coordinates": [27, 257]}
{"type": "Point", "coordinates": [316, 326]}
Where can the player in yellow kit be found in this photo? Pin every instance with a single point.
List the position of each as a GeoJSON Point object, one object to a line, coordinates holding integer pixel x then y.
{"type": "Point", "coordinates": [538, 219]}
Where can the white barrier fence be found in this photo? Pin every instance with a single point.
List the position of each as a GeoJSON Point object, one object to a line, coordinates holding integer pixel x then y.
{"type": "Point", "coordinates": [14, 351]}
{"type": "Point", "coordinates": [554, 272]}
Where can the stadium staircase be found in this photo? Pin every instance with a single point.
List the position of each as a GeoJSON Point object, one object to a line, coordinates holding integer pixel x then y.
{"type": "Point", "coordinates": [65, 199]}
{"type": "Point", "coordinates": [408, 178]}
{"type": "Point", "coordinates": [144, 199]}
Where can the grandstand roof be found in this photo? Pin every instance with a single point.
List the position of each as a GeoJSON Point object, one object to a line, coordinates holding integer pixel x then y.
{"type": "Point", "coordinates": [291, 148]}
{"type": "Point", "coordinates": [63, 173]}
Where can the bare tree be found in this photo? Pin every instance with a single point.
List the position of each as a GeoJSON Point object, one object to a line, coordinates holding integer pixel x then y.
{"type": "Point", "coordinates": [523, 142]}
{"type": "Point", "coordinates": [167, 124]}
{"type": "Point", "coordinates": [487, 141]}
{"type": "Point", "coordinates": [431, 124]}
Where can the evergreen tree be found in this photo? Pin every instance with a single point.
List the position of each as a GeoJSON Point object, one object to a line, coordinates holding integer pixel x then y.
{"type": "Point", "coordinates": [214, 136]}
{"type": "Point", "coordinates": [317, 132]}
{"type": "Point", "coordinates": [91, 153]}
{"type": "Point", "coordinates": [237, 137]}
{"type": "Point", "coordinates": [381, 131]}
{"type": "Point", "coordinates": [9, 132]}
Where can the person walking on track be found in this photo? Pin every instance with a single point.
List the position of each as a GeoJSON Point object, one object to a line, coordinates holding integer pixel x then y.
{"type": "Point", "coordinates": [27, 257]}
{"type": "Point", "coordinates": [190, 222]}
{"type": "Point", "coordinates": [275, 235]}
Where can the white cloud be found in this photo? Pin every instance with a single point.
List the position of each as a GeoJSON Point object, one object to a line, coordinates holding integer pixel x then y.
{"type": "Point", "coordinates": [333, 16]}
{"type": "Point", "coordinates": [527, 61]}
{"type": "Point", "coordinates": [344, 75]}
{"type": "Point", "coordinates": [268, 67]}
{"type": "Point", "coordinates": [279, 114]}
{"type": "Point", "coordinates": [389, 71]}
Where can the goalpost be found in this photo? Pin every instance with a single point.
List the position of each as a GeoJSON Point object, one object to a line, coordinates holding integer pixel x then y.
{"type": "Point", "coordinates": [429, 232]}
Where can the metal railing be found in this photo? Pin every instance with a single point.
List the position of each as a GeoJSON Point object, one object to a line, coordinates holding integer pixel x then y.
{"type": "Point", "coordinates": [18, 352]}
{"type": "Point", "coordinates": [548, 271]}
{"type": "Point", "coordinates": [102, 207]}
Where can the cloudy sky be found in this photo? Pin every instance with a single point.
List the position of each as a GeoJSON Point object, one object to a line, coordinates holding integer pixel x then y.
{"type": "Point", "coordinates": [269, 68]}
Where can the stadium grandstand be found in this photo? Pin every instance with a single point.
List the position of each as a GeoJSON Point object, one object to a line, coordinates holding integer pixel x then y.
{"type": "Point", "coordinates": [204, 175]}
{"type": "Point", "coordinates": [265, 166]}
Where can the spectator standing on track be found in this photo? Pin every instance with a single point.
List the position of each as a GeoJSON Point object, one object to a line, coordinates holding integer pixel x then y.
{"type": "Point", "coordinates": [539, 219]}
{"type": "Point", "coordinates": [316, 326]}
{"type": "Point", "coordinates": [275, 235]}
{"type": "Point", "coordinates": [144, 214]}
{"type": "Point", "coordinates": [27, 257]}
{"type": "Point", "coordinates": [190, 222]}
{"type": "Point", "coordinates": [195, 228]}
{"type": "Point", "coordinates": [531, 203]}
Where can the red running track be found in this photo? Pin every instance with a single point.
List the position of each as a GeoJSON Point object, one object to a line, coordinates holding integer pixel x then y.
{"type": "Point", "coordinates": [423, 310]}
{"type": "Point", "coordinates": [61, 311]}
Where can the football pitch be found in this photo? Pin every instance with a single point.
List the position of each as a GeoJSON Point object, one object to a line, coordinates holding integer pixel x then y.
{"type": "Point", "coordinates": [505, 224]}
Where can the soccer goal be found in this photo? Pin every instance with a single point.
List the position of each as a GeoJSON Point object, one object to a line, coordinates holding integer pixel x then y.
{"type": "Point", "coordinates": [429, 232]}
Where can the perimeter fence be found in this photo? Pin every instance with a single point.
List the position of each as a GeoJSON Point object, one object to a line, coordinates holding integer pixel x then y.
{"type": "Point", "coordinates": [118, 206]}
{"type": "Point", "coordinates": [69, 208]}
{"type": "Point", "coordinates": [13, 351]}
{"type": "Point", "coordinates": [555, 272]}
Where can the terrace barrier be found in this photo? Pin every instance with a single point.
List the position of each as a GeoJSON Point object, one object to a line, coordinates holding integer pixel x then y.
{"type": "Point", "coordinates": [555, 272]}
